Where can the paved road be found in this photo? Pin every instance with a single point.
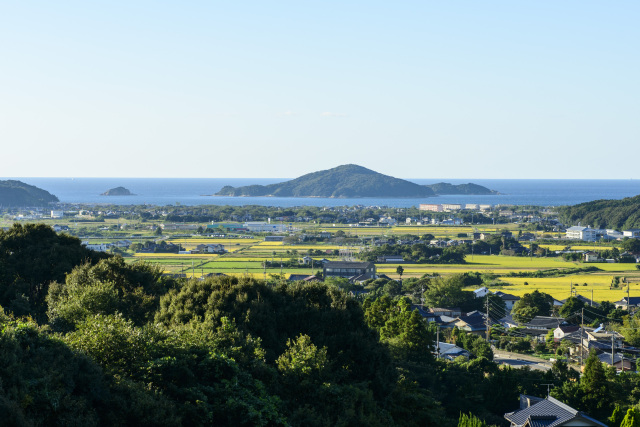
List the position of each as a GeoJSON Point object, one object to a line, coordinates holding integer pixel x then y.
{"type": "Point", "coordinates": [519, 360]}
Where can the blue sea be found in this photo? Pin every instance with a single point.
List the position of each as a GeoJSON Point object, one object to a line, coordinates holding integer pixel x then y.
{"type": "Point", "coordinates": [198, 191]}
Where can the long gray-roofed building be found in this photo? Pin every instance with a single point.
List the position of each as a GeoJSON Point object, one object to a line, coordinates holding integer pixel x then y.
{"type": "Point", "coordinates": [348, 269]}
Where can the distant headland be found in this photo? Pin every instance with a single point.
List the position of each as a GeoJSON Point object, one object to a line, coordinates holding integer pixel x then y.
{"type": "Point", "coordinates": [17, 193]}
{"type": "Point", "coordinates": [352, 181]}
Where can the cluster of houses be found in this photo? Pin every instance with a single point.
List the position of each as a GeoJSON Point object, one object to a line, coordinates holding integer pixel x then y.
{"type": "Point", "coordinates": [105, 247]}
{"type": "Point", "coordinates": [609, 345]}
{"type": "Point", "coordinates": [211, 248]}
{"type": "Point", "coordinates": [450, 207]}
{"type": "Point", "coordinates": [588, 234]}
{"type": "Point", "coordinates": [251, 226]}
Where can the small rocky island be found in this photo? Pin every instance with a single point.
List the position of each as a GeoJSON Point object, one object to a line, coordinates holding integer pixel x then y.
{"type": "Point", "coordinates": [118, 191]}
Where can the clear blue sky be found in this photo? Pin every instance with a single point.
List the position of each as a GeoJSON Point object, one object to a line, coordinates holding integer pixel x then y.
{"type": "Point", "coordinates": [414, 89]}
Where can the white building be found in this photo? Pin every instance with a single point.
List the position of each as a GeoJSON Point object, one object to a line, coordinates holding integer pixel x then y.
{"type": "Point", "coordinates": [211, 249]}
{"type": "Point", "coordinates": [431, 207]}
{"type": "Point", "coordinates": [452, 221]}
{"type": "Point", "coordinates": [387, 221]}
{"type": "Point", "coordinates": [57, 214]}
{"type": "Point", "coordinates": [632, 233]}
{"type": "Point", "coordinates": [264, 227]}
{"type": "Point", "coordinates": [481, 292]}
{"type": "Point", "coordinates": [451, 206]}
{"type": "Point", "coordinates": [581, 233]}
{"type": "Point", "coordinates": [98, 247]}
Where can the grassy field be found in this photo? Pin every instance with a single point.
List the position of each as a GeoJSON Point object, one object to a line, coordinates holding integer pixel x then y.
{"type": "Point", "coordinates": [560, 287]}
{"type": "Point", "coordinates": [246, 257]}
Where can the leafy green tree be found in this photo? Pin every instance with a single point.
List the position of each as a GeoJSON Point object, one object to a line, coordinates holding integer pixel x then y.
{"type": "Point", "coordinates": [630, 329]}
{"type": "Point", "coordinates": [203, 383]}
{"type": "Point", "coordinates": [571, 306]}
{"type": "Point", "coordinates": [616, 416]}
{"type": "Point", "coordinates": [595, 387]}
{"type": "Point", "coordinates": [280, 313]}
{"type": "Point", "coordinates": [448, 292]}
{"type": "Point", "coordinates": [562, 373]}
{"type": "Point", "coordinates": [399, 271]}
{"type": "Point", "coordinates": [631, 419]}
{"type": "Point", "coordinates": [302, 358]}
{"type": "Point", "coordinates": [43, 381]}
{"type": "Point", "coordinates": [413, 405]}
{"type": "Point", "coordinates": [392, 288]}
{"type": "Point", "coordinates": [471, 421]}
{"type": "Point", "coordinates": [108, 287]}
{"type": "Point", "coordinates": [475, 344]}
{"type": "Point", "coordinates": [531, 305]}
{"type": "Point", "coordinates": [31, 257]}
{"type": "Point", "coordinates": [407, 334]}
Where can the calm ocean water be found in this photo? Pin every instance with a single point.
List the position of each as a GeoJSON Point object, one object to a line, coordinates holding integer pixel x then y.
{"type": "Point", "coordinates": [195, 191]}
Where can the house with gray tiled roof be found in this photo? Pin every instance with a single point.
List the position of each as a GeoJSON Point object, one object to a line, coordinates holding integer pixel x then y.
{"type": "Point", "coordinates": [619, 362]}
{"type": "Point", "coordinates": [545, 323]}
{"type": "Point", "coordinates": [348, 269]}
{"type": "Point", "coordinates": [549, 412]}
{"type": "Point", "coordinates": [509, 300]}
{"type": "Point", "coordinates": [450, 351]}
{"type": "Point", "coordinates": [625, 302]}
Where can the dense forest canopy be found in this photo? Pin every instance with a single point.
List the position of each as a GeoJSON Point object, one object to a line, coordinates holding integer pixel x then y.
{"type": "Point", "coordinates": [621, 214]}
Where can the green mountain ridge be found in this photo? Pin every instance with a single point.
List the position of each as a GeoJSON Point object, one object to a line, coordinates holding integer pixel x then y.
{"type": "Point", "coordinates": [17, 193]}
{"type": "Point", "coordinates": [350, 181]}
{"type": "Point", "coordinates": [620, 214]}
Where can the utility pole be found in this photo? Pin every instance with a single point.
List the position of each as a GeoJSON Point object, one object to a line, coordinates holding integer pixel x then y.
{"type": "Point", "coordinates": [549, 388]}
{"type": "Point", "coordinates": [581, 339]}
{"type": "Point", "coordinates": [613, 351]}
{"type": "Point", "coordinates": [488, 328]}
{"type": "Point", "coordinates": [438, 342]}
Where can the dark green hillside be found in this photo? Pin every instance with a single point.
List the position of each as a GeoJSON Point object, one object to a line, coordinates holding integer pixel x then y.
{"type": "Point", "coordinates": [617, 214]}
{"type": "Point", "coordinates": [351, 181]}
{"type": "Point", "coordinates": [17, 193]}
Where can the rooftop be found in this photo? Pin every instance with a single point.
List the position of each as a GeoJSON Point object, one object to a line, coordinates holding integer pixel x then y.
{"type": "Point", "coordinates": [550, 412]}
{"type": "Point", "coordinates": [348, 264]}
